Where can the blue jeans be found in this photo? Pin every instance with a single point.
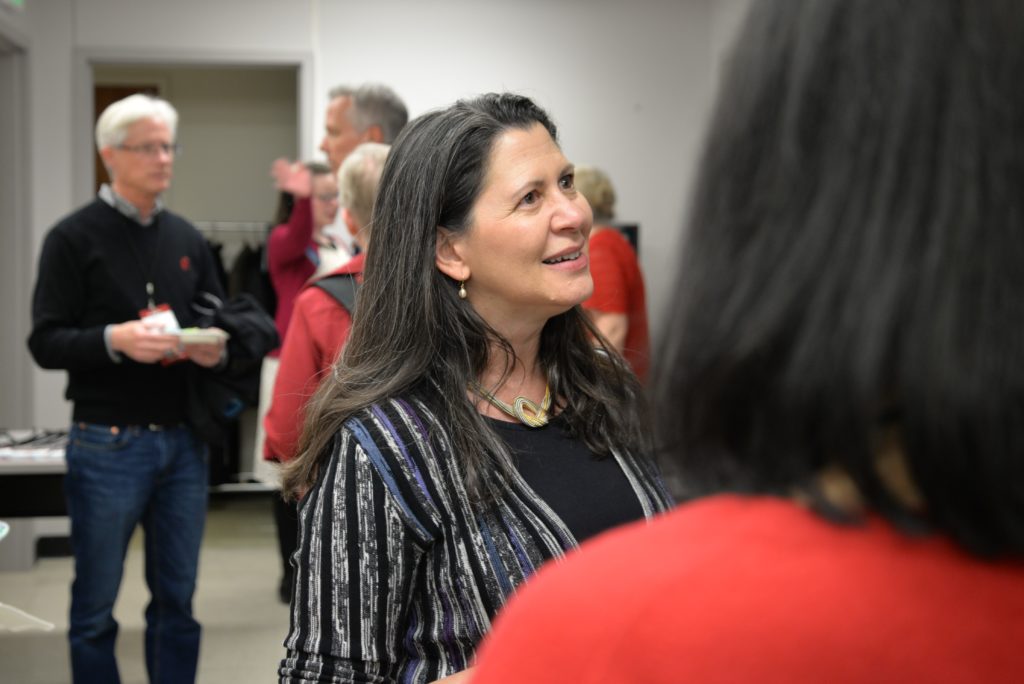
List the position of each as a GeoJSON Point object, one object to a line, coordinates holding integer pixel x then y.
{"type": "Point", "coordinates": [117, 478]}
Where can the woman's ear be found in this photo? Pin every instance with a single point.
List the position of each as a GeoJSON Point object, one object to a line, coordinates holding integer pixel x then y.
{"type": "Point", "coordinates": [448, 256]}
{"type": "Point", "coordinates": [354, 229]}
{"type": "Point", "coordinates": [349, 221]}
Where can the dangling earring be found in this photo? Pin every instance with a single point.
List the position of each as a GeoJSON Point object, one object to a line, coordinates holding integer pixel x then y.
{"type": "Point", "coordinates": [462, 289]}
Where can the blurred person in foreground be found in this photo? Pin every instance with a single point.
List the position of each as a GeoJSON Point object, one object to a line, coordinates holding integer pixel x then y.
{"type": "Point", "coordinates": [118, 279]}
{"type": "Point", "coordinates": [470, 431]}
{"type": "Point", "coordinates": [842, 374]}
{"type": "Point", "coordinates": [618, 306]}
{"type": "Point", "coordinates": [319, 327]}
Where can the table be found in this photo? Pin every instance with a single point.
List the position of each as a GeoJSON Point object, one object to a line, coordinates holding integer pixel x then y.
{"type": "Point", "coordinates": [32, 471]}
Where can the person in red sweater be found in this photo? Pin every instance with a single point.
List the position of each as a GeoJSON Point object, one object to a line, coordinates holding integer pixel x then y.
{"type": "Point", "coordinates": [320, 324]}
{"type": "Point", "coordinates": [319, 328]}
{"type": "Point", "coordinates": [297, 250]}
{"type": "Point", "coordinates": [840, 381]}
{"type": "Point", "coordinates": [742, 589]}
{"type": "Point", "coordinates": [618, 306]}
{"type": "Point", "coordinates": [300, 248]}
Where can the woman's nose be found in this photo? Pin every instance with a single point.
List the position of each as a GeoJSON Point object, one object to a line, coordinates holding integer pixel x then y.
{"type": "Point", "coordinates": [572, 213]}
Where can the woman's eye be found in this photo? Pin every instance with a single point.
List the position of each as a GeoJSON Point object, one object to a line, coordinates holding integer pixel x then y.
{"type": "Point", "coordinates": [529, 198]}
{"type": "Point", "coordinates": [568, 181]}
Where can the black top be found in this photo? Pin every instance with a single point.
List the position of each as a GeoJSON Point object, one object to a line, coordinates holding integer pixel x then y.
{"type": "Point", "coordinates": [93, 270]}
{"type": "Point", "coordinates": [590, 495]}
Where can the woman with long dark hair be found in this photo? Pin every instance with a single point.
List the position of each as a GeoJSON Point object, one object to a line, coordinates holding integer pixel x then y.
{"type": "Point", "coordinates": [841, 378]}
{"type": "Point", "coordinates": [470, 430]}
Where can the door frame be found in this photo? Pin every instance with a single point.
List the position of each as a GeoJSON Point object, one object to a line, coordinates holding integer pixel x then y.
{"type": "Point", "coordinates": [82, 137]}
{"type": "Point", "coordinates": [15, 408]}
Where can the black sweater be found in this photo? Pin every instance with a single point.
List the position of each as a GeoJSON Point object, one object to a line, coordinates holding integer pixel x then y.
{"type": "Point", "coordinates": [93, 271]}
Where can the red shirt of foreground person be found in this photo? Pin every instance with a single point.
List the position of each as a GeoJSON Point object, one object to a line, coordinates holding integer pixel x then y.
{"type": "Point", "coordinates": [732, 589]}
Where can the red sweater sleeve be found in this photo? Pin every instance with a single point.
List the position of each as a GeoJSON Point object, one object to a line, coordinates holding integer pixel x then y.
{"type": "Point", "coordinates": [319, 327]}
{"type": "Point", "coordinates": [288, 241]}
{"type": "Point", "coordinates": [611, 289]}
{"type": "Point", "coordinates": [289, 264]}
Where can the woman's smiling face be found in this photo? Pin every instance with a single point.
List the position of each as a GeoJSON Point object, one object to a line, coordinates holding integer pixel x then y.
{"type": "Point", "coordinates": [524, 255]}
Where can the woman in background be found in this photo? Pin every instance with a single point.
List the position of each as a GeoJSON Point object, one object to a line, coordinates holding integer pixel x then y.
{"type": "Point", "coordinates": [470, 431]}
{"type": "Point", "coordinates": [618, 305]}
{"type": "Point", "coordinates": [300, 248]}
{"type": "Point", "coordinates": [842, 376]}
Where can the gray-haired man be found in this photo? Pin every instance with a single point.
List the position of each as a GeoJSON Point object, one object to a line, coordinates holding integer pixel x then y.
{"type": "Point", "coordinates": [117, 280]}
{"type": "Point", "coordinates": [368, 113]}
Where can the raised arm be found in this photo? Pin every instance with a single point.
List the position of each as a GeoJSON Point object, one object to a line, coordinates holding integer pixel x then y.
{"type": "Point", "coordinates": [287, 242]}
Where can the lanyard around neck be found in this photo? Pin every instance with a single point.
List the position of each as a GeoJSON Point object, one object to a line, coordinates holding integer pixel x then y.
{"type": "Point", "coordinates": [147, 273]}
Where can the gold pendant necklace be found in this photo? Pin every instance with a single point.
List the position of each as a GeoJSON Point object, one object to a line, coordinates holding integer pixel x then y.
{"type": "Point", "coordinates": [523, 409]}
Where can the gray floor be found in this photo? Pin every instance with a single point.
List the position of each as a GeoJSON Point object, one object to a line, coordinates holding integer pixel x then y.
{"type": "Point", "coordinates": [236, 602]}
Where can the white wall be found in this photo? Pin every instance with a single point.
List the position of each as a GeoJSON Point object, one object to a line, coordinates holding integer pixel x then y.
{"type": "Point", "coordinates": [628, 82]}
{"type": "Point", "coordinates": [14, 220]}
{"type": "Point", "coordinates": [50, 87]}
{"type": "Point", "coordinates": [726, 19]}
{"type": "Point", "coordinates": [14, 24]}
{"type": "Point", "coordinates": [271, 27]}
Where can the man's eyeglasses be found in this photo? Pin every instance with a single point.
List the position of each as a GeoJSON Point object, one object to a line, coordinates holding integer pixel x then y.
{"type": "Point", "coordinates": [153, 149]}
{"type": "Point", "coordinates": [327, 197]}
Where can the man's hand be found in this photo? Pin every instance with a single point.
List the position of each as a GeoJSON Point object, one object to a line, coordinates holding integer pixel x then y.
{"type": "Point", "coordinates": [206, 355]}
{"type": "Point", "coordinates": [143, 343]}
{"type": "Point", "coordinates": [292, 177]}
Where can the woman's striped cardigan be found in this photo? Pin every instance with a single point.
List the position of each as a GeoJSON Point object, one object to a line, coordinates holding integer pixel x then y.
{"type": "Point", "coordinates": [398, 576]}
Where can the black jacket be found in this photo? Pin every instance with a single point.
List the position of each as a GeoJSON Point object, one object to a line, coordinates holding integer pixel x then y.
{"type": "Point", "coordinates": [217, 397]}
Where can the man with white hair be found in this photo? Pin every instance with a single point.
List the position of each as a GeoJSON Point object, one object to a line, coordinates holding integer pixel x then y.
{"type": "Point", "coordinates": [117, 282]}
